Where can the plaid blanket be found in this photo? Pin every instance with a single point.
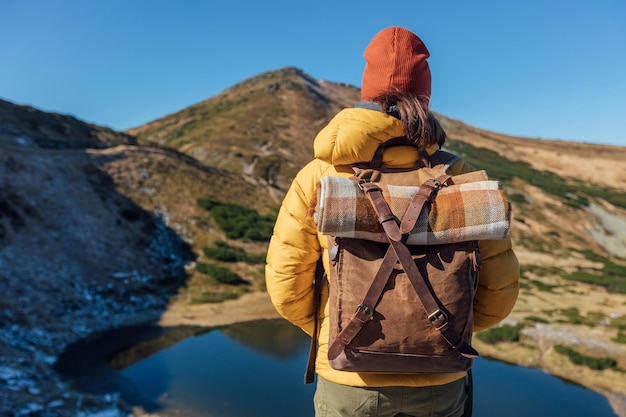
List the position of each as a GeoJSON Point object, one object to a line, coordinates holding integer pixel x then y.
{"type": "Point", "coordinates": [459, 212]}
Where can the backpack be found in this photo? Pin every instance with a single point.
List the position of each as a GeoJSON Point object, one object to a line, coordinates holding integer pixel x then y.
{"type": "Point", "coordinates": [404, 256]}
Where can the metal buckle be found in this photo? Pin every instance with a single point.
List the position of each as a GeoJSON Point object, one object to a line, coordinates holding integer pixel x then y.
{"type": "Point", "coordinates": [436, 314]}
{"type": "Point", "coordinates": [369, 310]}
{"type": "Point", "coordinates": [438, 183]}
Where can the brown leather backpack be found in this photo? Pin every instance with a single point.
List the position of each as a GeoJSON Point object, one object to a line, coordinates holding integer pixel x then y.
{"type": "Point", "coordinates": [398, 308]}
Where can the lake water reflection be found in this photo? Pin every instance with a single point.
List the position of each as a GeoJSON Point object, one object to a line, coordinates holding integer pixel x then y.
{"type": "Point", "coordinates": [256, 370]}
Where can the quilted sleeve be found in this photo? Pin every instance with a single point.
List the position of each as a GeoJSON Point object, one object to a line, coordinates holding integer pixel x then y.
{"type": "Point", "coordinates": [293, 253]}
{"type": "Point", "coordinates": [498, 283]}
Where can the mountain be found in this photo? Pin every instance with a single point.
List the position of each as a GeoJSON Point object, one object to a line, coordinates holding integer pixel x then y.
{"type": "Point", "coordinates": [262, 128]}
{"type": "Point", "coordinates": [101, 228]}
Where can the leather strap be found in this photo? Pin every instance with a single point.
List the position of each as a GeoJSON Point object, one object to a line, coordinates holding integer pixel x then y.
{"type": "Point", "coordinates": [320, 277]}
{"type": "Point", "coordinates": [424, 195]}
{"type": "Point", "coordinates": [385, 216]}
{"type": "Point", "coordinates": [377, 159]}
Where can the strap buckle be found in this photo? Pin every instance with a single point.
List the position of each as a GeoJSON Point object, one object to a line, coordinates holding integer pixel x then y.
{"type": "Point", "coordinates": [436, 315]}
{"type": "Point", "coordinates": [441, 182]}
{"type": "Point", "coordinates": [363, 181]}
{"type": "Point", "coordinates": [367, 309]}
{"type": "Point", "coordinates": [438, 183]}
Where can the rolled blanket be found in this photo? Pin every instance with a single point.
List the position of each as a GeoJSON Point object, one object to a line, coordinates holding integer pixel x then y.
{"type": "Point", "coordinates": [459, 212]}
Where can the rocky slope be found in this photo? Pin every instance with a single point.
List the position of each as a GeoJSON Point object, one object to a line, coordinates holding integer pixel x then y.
{"type": "Point", "coordinates": [28, 127]}
{"type": "Point", "coordinates": [101, 228]}
{"type": "Point", "coordinates": [94, 234]}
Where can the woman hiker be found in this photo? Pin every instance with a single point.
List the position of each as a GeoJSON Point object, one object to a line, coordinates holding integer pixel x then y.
{"type": "Point", "coordinates": [395, 94]}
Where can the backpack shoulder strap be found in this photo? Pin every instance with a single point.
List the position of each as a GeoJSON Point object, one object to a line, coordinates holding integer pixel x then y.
{"type": "Point", "coordinates": [445, 158]}
{"type": "Point", "coordinates": [377, 159]}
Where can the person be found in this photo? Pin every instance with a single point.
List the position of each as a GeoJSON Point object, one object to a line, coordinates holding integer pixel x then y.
{"type": "Point", "coordinates": [395, 94]}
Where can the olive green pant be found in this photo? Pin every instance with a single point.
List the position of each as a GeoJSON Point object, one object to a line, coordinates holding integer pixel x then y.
{"type": "Point", "coordinates": [335, 400]}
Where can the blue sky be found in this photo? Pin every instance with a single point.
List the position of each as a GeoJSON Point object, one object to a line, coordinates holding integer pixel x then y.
{"type": "Point", "coordinates": [553, 69]}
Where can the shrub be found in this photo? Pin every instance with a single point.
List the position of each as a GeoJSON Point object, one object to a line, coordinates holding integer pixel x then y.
{"type": "Point", "coordinates": [572, 315]}
{"type": "Point", "coordinates": [214, 297]}
{"type": "Point", "coordinates": [537, 244]}
{"type": "Point", "coordinates": [540, 271]}
{"type": "Point", "coordinates": [541, 286]}
{"type": "Point", "coordinates": [207, 203]}
{"type": "Point", "coordinates": [517, 198]}
{"type": "Point", "coordinates": [255, 259]}
{"type": "Point", "coordinates": [220, 274]}
{"type": "Point", "coordinates": [226, 253]}
{"type": "Point", "coordinates": [619, 322]}
{"type": "Point", "coordinates": [598, 364]}
{"type": "Point", "coordinates": [239, 222]}
{"type": "Point", "coordinates": [535, 319]}
{"type": "Point", "coordinates": [611, 276]}
{"type": "Point", "coordinates": [504, 333]}
{"type": "Point", "coordinates": [620, 338]}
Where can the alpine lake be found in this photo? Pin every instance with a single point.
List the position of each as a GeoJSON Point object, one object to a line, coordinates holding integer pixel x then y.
{"type": "Point", "coordinates": [256, 369]}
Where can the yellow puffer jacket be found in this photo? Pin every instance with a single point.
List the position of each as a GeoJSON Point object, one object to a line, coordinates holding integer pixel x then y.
{"type": "Point", "coordinates": [353, 136]}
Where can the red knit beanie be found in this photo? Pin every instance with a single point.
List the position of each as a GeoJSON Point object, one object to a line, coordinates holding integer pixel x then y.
{"type": "Point", "coordinates": [396, 61]}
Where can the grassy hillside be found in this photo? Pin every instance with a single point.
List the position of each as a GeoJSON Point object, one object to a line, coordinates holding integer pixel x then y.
{"type": "Point", "coordinates": [262, 128]}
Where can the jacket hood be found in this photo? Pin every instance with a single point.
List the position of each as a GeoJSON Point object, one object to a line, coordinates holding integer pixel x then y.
{"type": "Point", "coordinates": [354, 134]}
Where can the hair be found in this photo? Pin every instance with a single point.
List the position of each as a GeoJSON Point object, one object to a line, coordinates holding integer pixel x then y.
{"type": "Point", "coordinates": [421, 127]}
